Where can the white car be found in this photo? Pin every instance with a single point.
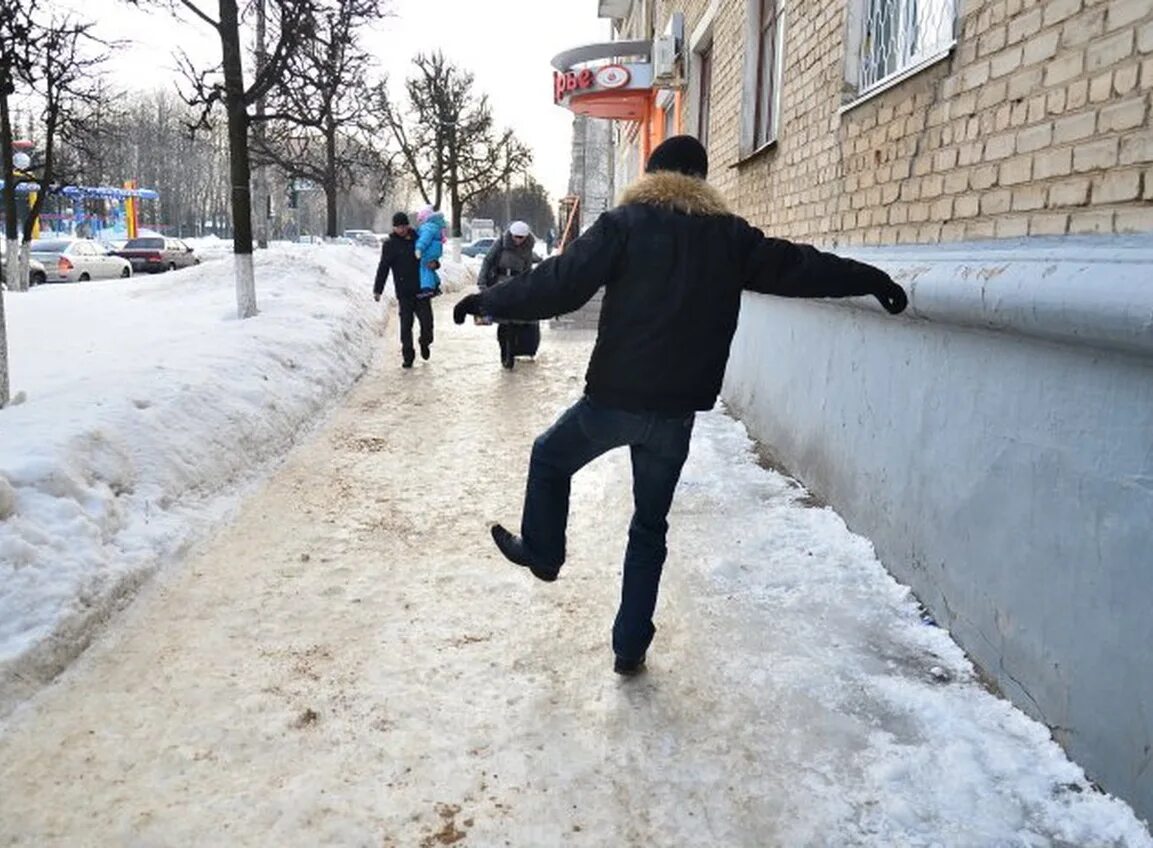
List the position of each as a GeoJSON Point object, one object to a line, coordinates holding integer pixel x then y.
{"type": "Point", "coordinates": [68, 260]}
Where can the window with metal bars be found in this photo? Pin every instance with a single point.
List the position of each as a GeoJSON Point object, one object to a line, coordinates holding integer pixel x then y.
{"type": "Point", "coordinates": [896, 36]}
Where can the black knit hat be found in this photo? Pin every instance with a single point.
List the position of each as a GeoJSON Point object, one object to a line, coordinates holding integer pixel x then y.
{"type": "Point", "coordinates": [400, 220]}
{"type": "Point", "coordinates": [681, 153]}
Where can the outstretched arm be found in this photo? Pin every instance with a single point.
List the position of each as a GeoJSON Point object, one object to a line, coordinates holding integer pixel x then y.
{"type": "Point", "coordinates": [788, 269]}
{"type": "Point", "coordinates": [559, 285]}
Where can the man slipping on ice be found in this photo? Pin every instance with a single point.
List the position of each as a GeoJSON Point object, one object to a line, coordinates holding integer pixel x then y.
{"type": "Point", "coordinates": [673, 262]}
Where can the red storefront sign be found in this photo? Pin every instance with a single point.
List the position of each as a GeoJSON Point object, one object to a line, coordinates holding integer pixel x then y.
{"type": "Point", "coordinates": [570, 82]}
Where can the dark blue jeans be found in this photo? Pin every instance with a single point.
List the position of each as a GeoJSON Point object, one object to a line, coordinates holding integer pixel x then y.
{"type": "Point", "coordinates": [659, 446]}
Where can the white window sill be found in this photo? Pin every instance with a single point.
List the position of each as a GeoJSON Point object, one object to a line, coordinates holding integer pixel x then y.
{"type": "Point", "coordinates": [899, 77]}
{"type": "Point", "coordinates": [754, 154]}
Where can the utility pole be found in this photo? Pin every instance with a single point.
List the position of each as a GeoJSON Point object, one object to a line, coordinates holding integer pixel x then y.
{"type": "Point", "coordinates": [507, 201]}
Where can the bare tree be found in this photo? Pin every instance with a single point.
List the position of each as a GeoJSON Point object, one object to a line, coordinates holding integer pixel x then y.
{"type": "Point", "coordinates": [18, 50]}
{"type": "Point", "coordinates": [225, 84]}
{"type": "Point", "coordinates": [528, 203]}
{"type": "Point", "coordinates": [319, 119]}
{"type": "Point", "coordinates": [64, 79]}
{"type": "Point", "coordinates": [447, 139]}
{"type": "Point", "coordinates": [15, 38]}
{"type": "Point", "coordinates": [145, 138]}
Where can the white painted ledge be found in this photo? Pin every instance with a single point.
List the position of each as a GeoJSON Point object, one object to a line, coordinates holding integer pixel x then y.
{"type": "Point", "coordinates": [1092, 291]}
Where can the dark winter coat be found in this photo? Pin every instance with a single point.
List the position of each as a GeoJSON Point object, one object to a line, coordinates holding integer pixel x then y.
{"type": "Point", "coordinates": [398, 255]}
{"type": "Point", "coordinates": [506, 259]}
{"type": "Point", "coordinates": [673, 263]}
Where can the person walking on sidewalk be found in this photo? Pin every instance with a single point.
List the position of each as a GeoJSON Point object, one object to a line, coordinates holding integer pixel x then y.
{"type": "Point", "coordinates": [673, 262]}
{"type": "Point", "coordinates": [511, 254]}
{"type": "Point", "coordinates": [398, 256]}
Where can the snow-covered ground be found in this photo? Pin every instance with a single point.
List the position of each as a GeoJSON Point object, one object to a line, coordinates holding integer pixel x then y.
{"type": "Point", "coordinates": [143, 407]}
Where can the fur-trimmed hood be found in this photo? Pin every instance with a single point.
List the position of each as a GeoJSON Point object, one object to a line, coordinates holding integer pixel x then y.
{"type": "Point", "coordinates": [676, 191]}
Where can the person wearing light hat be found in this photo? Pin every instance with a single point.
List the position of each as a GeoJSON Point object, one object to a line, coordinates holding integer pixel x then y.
{"type": "Point", "coordinates": [673, 262]}
{"type": "Point", "coordinates": [510, 255]}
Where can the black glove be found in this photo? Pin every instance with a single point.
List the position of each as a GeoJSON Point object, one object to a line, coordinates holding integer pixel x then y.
{"type": "Point", "coordinates": [469, 305]}
{"type": "Point", "coordinates": [891, 295]}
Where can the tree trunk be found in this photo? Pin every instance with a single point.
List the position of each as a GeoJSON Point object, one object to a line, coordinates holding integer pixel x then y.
{"type": "Point", "coordinates": [454, 184]}
{"type": "Point", "coordinates": [438, 174]}
{"type": "Point", "coordinates": [330, 188]}
{"type": "Point", "coordinates": [454, 197]}
{"type": "Point", "coordinates": [26, 263]}
{"type": "Point", "coordinates": [239, 167]}
{"type": "Point", "coordinates": [5, 391]}
{"type": "Point", "coordinates": [11, 232]}
{"type": "Point", "coordinates": [34, 209]}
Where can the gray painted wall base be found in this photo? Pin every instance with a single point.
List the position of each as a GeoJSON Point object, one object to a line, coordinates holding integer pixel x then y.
{"type": "Point", "coordinates": [996, 444]}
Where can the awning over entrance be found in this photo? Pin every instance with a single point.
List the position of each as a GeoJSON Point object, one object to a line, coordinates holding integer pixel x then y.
{"type": "Point", "coordinates": [611, 80]}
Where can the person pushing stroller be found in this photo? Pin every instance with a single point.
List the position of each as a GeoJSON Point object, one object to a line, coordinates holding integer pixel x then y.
{"type": "Point", "coordinates": [511, 255]}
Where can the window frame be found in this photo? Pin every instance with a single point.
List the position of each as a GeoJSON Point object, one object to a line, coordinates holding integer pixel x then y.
{"type": "Point", "coordinates": [757, 134]}
{"type": "Point", "coordinates": [704, 98]}
{"type": "Point", "coordinates": [700, 94]}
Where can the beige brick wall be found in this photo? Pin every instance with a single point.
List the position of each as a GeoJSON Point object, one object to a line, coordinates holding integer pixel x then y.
{"type": "Point", "coordinates": [1040, 122]}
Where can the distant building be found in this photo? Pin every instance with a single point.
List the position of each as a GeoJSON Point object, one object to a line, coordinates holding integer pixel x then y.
{"type": "Point", "coordinates": [591, 177]}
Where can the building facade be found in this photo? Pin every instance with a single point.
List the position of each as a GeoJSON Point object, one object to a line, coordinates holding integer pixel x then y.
{"type": "Point", "coordinates": [909, 121]}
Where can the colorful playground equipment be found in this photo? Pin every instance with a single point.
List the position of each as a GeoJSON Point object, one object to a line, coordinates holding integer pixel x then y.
{"type": "Point", "coordinates": [89, 211]}
{"type": "Point", "coordinates": [105, 213]}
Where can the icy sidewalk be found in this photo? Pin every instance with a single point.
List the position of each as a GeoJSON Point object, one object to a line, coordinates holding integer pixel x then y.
{"type": "Point", "coordinates": [872, 728]}
{"type": "Point", "coordinates": [352, 664]}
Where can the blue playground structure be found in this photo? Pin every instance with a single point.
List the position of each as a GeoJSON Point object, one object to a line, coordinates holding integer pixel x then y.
{"type": "Point", "coordinates": [104, 213]}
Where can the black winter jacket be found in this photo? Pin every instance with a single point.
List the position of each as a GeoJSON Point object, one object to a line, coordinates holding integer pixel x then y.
{"type": "Point", "coordinates": [673, 263]}
{"type": "Point", "coordinates": [398, 255]}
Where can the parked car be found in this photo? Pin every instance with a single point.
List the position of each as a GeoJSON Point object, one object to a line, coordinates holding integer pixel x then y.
{"type": "Point", "coordinates": [69, 260]}
{"type": "Point", "coordinates": [366, 237]}
{"type": "Point", "coordinates": [157, 253]}
{"type": "Point", "coordinates": [36, 273]}
{"type": "Point", "coordinates": [478, 248]}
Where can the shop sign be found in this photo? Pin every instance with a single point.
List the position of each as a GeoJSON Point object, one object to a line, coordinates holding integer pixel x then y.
{"type": "Point", "coordinates": [570, 82]}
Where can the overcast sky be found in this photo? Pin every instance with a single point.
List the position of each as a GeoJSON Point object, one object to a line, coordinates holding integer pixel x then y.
{"type": "Point", "coordinates": [507, 44]}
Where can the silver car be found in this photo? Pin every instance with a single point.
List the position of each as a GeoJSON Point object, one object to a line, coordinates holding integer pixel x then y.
{"type": "Point", "coordinates": [36, 272]}
{"type": "Point", "coordinates": [78, 260]}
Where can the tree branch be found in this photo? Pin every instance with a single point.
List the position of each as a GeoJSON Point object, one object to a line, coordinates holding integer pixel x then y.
{"type": "Point", "coordinates": [192, 7]}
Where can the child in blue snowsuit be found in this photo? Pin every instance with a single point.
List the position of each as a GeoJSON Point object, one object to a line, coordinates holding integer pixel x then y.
{"type": "Point", "coordinates": [429, 248]}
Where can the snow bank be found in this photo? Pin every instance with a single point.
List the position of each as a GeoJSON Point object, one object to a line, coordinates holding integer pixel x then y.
{"type": "Point", "coordinates": [148, 407]}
